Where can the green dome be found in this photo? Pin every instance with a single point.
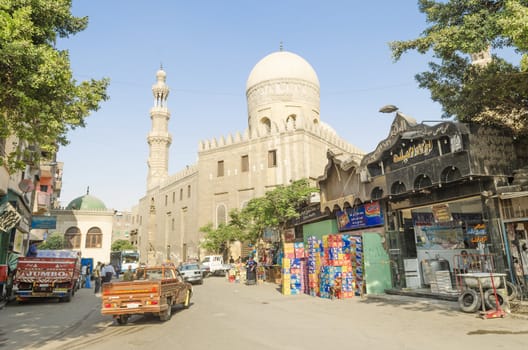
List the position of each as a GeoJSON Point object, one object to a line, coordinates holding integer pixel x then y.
{"type": "Point", "coordinates": [86, 202]}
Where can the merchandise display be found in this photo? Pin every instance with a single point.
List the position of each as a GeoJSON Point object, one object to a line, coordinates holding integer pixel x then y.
{"type": "Point", "coordinates": [331, 267]}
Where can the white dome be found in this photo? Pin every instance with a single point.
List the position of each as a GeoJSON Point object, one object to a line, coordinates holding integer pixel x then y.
{"type": "Point", "coordinates": [282, 65]}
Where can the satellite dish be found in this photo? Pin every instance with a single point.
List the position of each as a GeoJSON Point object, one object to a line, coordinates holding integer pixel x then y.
{"type": "Point", "coordinates": [26, 185]}
{"type": "Point", "coordinates": [388, 109]}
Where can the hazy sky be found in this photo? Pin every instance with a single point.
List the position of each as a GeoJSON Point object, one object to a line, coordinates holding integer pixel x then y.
{"type": "Point", "coordinates": [208, 49]}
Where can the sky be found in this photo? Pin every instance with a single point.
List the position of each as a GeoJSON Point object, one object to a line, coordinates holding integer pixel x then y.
{"type": "Point", "coordinates": [208, 49]}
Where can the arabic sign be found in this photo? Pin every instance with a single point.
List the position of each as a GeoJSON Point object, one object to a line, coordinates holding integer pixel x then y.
{"type": "Point", "coordinates": [442, 213]}
{"type": "Point", "coordinates": [423, 148]}
{"type": "Point", "coordinates": [44, 222]}
{"type": "Point", "coordinates": [9, 217]}
{"type": "Point", "coordinates": [366, 215]}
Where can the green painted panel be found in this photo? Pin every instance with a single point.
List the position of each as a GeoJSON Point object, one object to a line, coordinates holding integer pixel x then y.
{"type": "Point", "coordinates": [319, 229]}
{"type": "Point", "coordinates": [376, 264]}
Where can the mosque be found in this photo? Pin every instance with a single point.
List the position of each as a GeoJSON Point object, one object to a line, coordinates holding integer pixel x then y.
{"type": "Point", "coordinates": [285, 140]}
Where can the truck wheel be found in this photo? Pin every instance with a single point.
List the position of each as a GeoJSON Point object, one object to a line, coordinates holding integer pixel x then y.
{"type": "Point", "coordinates": [68, 296]}
{"type": "Point", "coordinates": [166, 315]}
{"type": "Point", "coordinates": [187, 301]}
{"type": "Point", "coordinates": [469, 301]}
{"type": "Point", "coordinates": [122, 319]}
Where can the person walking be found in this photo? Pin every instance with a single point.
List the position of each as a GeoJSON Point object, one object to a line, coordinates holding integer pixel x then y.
{"type": "Point", "coordinates": [97, 277]}
{"type": "Point", "coordinates": [108, 272]}
{"type": "Point", "coordinates": [84, 268]}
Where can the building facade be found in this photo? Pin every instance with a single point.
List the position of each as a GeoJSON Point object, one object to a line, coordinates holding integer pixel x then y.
{"type": "Point", "coordinates": [441, 190]}
{"type": "Point", "coordinates": [285, 140]}
{"type": "Point", "coordinates": [87, 226]}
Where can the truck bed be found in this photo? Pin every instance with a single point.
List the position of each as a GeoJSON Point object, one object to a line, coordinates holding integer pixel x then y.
{"type": "Point", "coordinates": [42, 277]}
{"type": "Point", "coordinates": [157, 290]}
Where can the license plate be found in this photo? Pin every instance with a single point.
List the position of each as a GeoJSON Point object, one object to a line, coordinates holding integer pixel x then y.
{"type": "Point", "coordinates": [44, 285]}
{"type": "Point", "coordinates": [132, 305]}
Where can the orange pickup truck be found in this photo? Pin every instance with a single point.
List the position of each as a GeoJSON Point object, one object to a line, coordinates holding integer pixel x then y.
{"type": "Point", "coordinates": [154, 290]}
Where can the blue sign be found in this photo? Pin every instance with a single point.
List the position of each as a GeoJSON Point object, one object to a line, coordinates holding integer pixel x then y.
{"type": "Point", "coordinates": [44, 222]}
{"type": "Point", "coordinates": [366, 215]}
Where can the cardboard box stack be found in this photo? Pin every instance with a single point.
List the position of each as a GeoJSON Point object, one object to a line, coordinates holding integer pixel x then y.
{"type": "Point", "coordinates": [293, 269]}
{"type": "Point", "coordinates": [336, 279]}
{"type": "Point", "coordinates": [314, 263]}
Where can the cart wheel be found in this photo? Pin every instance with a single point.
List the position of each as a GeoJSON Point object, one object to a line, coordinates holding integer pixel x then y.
{"type": "Point", "coordinates": [489, 299]}
{"type": "Point", "coordinates": [469, 301]}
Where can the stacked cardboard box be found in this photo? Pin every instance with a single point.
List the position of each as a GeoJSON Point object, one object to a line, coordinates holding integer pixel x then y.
{"type": "Point", "coordinates": [337, 279]}
{"type": "Point", "coordinates": [314, 263]}
{"type": "Point", "coordinates": [286, 276]}
{"type": "Point", "coordinates": [293, 269]}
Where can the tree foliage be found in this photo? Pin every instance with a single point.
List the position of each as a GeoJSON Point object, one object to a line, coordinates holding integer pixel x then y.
{"type": "Point", "coordinates": [54, 241]}
{"type": "Point", "coordinates": [122, 244]}
{"type": "Point", "coordinates": [39, 99]}
{"type": "Point", "coordinates": [495, 93]}
{"type": "Point", "coordinates": [273, 211]}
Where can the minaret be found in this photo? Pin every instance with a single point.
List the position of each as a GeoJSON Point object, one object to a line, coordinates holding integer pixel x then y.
{"type": "Point", "coordinates": [159, 139]}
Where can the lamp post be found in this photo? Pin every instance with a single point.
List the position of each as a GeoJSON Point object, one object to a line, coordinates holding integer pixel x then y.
{"type": "Point", "coordinates": [388, 109]}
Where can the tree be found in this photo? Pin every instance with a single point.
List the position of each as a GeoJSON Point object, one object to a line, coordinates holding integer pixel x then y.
{"type": "Point", "coordinates": [494, 92]}
{"type": "Point", "coordinates": [272, 211]}
{"type": "Point", "coordinates": [122, 244]}
{"type": "Point", "coordinates": [39, 99]}
{"type": "Point", "coordinates": [54, 241]}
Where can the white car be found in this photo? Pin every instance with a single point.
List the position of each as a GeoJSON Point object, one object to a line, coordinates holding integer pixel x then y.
{"type": "Point", "coordinates": [191, 272]}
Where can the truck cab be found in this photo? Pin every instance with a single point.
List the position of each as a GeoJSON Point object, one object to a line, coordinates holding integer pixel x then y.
{"type": "Point", "coordinates": [214, 265]}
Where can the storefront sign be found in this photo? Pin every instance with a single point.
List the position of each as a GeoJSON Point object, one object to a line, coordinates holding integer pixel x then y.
{"type": "Point", "coordinates": [423, 148]}
{"type": "Point", "coordinates": [9, 217]}
{"type": "Point", "coordinates": [366, 215]}
{"type": "Point", "coordinates": [44, 222]}
{"type": "Point", "coordinates": [441, 213]}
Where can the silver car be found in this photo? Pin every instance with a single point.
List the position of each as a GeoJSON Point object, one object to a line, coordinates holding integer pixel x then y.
{"type": "Point", "coordinates": [191, 272]}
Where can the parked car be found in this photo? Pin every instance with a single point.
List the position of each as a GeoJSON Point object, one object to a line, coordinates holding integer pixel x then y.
{"type": "Point", "coordinates": [191, 272]}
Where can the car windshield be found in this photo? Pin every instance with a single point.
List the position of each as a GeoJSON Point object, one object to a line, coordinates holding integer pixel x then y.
{"type": "Point", "coordinates": [189, 267]}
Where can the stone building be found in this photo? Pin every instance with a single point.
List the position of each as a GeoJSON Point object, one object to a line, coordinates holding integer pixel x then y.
{"type": "Point", "coordinates": [285, 140]}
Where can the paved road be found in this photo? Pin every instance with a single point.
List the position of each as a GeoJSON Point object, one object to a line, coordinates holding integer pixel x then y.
{"type": "Point", "coordinates": [232, 316]}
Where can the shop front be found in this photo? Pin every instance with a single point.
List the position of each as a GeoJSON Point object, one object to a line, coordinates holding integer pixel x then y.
{"type": "Point", "coordinates": [427, 249]}
{"type": "Point", "coordinates": [437, 184]}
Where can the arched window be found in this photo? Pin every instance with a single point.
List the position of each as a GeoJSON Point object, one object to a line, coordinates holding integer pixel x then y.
{"type": "Point", "coordinates": [290, 122]}
{"type": "Point", "coordinates": [266, 124]}
{"type": "Point", "coordinates": [377, 193]}
{"type": "Point", "coordinates": [221, 217]}
{"type": "Point", "coordinates": [422, 181]}
{"type": "Point", "coordinates": [450, 174]}
{"type": "Point", "coordinates": [72, 238]}
{"type": "Point", "coordinates": [94, 238]}
{"type": "Point", "coordinates": [398, 187]}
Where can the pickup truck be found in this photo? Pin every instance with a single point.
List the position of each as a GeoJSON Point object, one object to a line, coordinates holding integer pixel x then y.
{"type": "Point", "coordinates": [154, 290]}
{"type": "Point", "coordinates": [214, 265]}
{"type": "Point", "coordinates": [51, 274]}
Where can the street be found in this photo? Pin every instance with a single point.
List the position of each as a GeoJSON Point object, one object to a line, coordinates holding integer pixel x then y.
{"type": "Point", "coordinates": [233, 316]}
